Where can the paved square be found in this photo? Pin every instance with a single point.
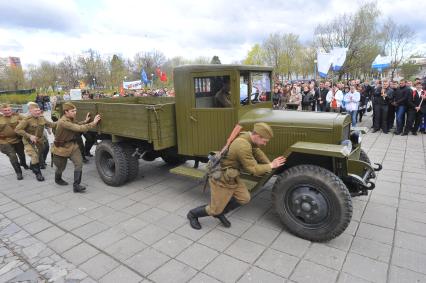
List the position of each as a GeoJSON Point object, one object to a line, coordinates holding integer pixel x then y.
{"type": "Point", "coordinates": [139, 232]}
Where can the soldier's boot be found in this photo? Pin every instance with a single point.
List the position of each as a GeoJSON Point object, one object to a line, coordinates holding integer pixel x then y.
{"type": "Point", "coordinates": [42, 165]}
{"type": "Point", "coordinates": [36, 170]}
{"type": "Point", "coordinates": [24, 164]}
{"type": "Point", "coordinates": [194, 214]}
{"type": "Point", "coordinates": [59, 180]}
{"type": "Point", "coordinates": [85, 160]}
{"type": "Point", "coordinates": [77, 188]}
{"type": "Point", "coordinates": [232, 204]}
{"type": "Point", "coordinates": [18, 170]}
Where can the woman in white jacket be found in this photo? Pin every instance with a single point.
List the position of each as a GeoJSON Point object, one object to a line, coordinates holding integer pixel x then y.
{"type": "Point", "coordinates": [334, 99]}
{"type": "Point", "coordinates": [352, 100]}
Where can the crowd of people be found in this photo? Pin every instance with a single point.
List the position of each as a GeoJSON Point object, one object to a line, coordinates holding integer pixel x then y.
{"type": "Point", "coordinates": [389, 100]}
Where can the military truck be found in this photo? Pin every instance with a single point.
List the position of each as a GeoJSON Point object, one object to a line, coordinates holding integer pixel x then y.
{"type": "Point", "coordinates": [312, 192]}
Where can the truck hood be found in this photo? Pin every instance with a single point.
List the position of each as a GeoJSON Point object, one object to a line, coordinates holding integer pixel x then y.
{"type": "Point", "coordinates": [292, 118]}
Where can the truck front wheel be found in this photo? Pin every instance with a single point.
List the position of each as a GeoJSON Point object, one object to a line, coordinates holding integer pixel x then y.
{"type": "Point", "coordinates": [312, 202]}
{"type": "Point", "coordinates": [111, 163]}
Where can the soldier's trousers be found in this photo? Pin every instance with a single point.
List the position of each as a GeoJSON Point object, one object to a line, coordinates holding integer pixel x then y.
{"type": "Point", "coordinates": [61, 162]}
{"type": "Point", "coordinates": [35, 152]}
{"type": "Point", "coordinates": [13, 151]}
{"type": "Point", "coordinates": [220, 196]}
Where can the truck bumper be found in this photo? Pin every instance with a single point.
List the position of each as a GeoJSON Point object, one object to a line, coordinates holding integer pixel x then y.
{"type": "Point", "coordinates": [361, 177]}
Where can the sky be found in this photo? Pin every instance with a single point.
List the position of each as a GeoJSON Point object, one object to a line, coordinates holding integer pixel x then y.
{"type": "Point", "coordinates": [39, 30]}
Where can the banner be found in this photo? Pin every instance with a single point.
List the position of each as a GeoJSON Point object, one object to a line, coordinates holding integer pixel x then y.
{"type": "Point", "coordinates": [132, 85]}
{"type": "Point", "coordinates": [323, 62]}
{"type": "Point", "coordinates": [338, 57]}
{"type": "Point", "coordinates": [381, 62]}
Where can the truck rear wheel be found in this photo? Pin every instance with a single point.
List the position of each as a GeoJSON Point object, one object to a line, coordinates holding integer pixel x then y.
{"type": "Point", "coordinates": [111, 163]}
{"type": "Point", "coordinates": [312, 202]}
{"type": "Point", "coordinates": [133, 163]}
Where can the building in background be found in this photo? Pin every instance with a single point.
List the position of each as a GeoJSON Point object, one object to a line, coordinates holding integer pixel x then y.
{"type": "Point", "coordinates": [9, 62]}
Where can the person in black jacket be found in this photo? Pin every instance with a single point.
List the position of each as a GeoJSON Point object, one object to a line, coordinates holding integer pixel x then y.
{"type": "Point", "coordinates": [414, 114]}
{"type": "Point", "coordinates": [392, 110]}
{"type": "Point", "coordinates": [307, 99]}
{"type": "Point", "coordinates": [400, 102]}
{"type": "Point", "coordinates": [382, 97]}
{"type": "Point", "coordinates": [321, 98]}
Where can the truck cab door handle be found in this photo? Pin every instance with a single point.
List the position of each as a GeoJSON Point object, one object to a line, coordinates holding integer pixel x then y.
{"type": "Point", "coordinates": [193, 119]}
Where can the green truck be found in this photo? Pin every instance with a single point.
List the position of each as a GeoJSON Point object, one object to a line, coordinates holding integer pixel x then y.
{"type": "Point", "coordinates": [311, 193]}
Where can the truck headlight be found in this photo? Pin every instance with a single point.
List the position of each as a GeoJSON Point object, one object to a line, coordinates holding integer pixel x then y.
{"type": "Point", "coordinates": [348, 147]}
{"type": "Point", "coordinates": [356, 137]}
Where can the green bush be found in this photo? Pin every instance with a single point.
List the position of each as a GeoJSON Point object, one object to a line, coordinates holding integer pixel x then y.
{"type": "Point", "coordinates": [17, 98]}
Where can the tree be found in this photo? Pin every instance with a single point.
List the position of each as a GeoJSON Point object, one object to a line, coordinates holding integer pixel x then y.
{"type": "Point", "coordinates": [397, 39]}
{"type": "Point", "coordinates": [273, 49]}
{"type": "Point", "coordinates": [117, 70]}
{"type": "Point", "coordinates": [69, 72]}
{"type": "Point", "coordinates": [215, 60]}
{"type": "Point", "coordinates": [148, 61]}
{"type": "Point", "coordinates": [290, 47]}
{"type": "Point", "coordinates": [94, 69]}
{"type": "Point", "coordinates": [256, 56]}
{"type": "Point", "coordinates": [358, 32]}
{"type": "Point", "coordinates": [14, 78]}
{"type": "Point", "coordinates": [409, 70]}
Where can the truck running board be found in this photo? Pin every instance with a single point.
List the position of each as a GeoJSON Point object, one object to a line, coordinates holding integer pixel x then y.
{"type": "Point", "coordinates": [187, 171]}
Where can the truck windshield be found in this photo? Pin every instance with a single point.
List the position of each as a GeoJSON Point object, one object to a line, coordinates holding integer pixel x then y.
{"type": "Point", "coordinates": [261, 87]}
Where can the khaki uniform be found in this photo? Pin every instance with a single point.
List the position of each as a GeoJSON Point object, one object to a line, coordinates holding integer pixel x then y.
{"type": "Point", "coordinates": [33, 126]}
{"type": "Point", "coordinates": [66, 146]}
{"type": "Point", "coordinates": [244, 155]}
{"type": "Point", "coordinates": [11, 143]}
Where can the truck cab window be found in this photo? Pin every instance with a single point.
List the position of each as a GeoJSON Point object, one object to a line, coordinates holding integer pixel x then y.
{"type": "Point", "coordinates": [261, 87]}
{"type": "Point", "coordinates": [212, 92]}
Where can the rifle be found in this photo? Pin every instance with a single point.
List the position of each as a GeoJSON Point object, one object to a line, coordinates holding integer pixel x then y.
{"type": "Point", "coordinates": [215, 159]}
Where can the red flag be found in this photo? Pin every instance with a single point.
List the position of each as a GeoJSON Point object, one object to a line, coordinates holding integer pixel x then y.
{"type": "Point", "coordinates": [163, 77]}
{"type": "Point", "coordinates": [121, 90]}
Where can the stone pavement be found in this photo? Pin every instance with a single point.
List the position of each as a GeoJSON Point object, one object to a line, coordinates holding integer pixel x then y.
{"type": "Point", "coordinates": [139, 233]}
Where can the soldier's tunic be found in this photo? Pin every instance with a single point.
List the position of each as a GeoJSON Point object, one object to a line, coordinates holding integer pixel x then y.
{"type": "Point", "coordinates": [66, 146]}
{"type": "Point", "coordinates": [243, 155]}
{"type": "Point", "coordinates": [10, 142]}
{"type": "Point", "coordinates": [33, 126]}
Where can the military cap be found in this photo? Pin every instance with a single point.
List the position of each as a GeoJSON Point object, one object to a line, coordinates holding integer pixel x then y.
{"type": "Point", "coordinates": [4, 105]}
{"type": "Point", "coordinates": [32, 105]}
{"type": "Point", "coordinates": [68, 106]}
{"type": "Point", "coordinates": [264, 130]}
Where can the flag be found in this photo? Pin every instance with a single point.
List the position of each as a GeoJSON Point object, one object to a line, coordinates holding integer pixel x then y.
{"type": "Point", "coordinates": [338, 57]}
{"type": "Point", "coordinates": [121, 90]}
{"type": "Point", "coordinates": [323, 63]}
{"type": "Point", "coordinates": [163, 77]}
{"type": "Point", "coordinates": [144, 77]}
{"type": "Point", "coordinates": [381, 62]}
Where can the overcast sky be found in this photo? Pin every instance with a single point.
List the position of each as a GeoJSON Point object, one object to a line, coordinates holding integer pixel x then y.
{"type": "Point", "coordinates": [48, 30]}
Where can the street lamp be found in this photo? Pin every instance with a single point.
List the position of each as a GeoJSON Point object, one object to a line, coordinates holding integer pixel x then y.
{"type": "Point", "coordinates": [94, 83]}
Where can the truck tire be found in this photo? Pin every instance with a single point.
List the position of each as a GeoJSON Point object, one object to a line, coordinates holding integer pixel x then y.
{"type": "Point", "coordinates": [312, 202]}
{"type": "Point", "coordinates": [111, 163]}
{"type": "Point", "coordinates": [364, 157]}
{"type": "Point", "coordinates": [133, 163]}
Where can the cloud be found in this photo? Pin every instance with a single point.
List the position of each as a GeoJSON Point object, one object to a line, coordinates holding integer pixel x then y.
{"type": "Point", "coordinates": [44, 30]}
{"type": "Point", "coordinates": [58, 16]}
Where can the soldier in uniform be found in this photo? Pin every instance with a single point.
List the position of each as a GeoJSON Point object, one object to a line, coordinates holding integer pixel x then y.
{"type": "Point", "coordinates": [31, 129]}
{"type": "Point", "coordinates": [227, 190]}
{"type": "Point", "coordinates": [10, 143]}
{"type": "Point", "coordinates": [65, 145]}
{"type": "Point", "coordinates": [223, 98]}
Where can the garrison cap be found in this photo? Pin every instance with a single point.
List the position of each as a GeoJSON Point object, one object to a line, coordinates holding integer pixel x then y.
{"type": "Point", "coordinates": [68, 106]}
{"type": "Point", "coordinates": [4, 105]}
{"type": "Point", "coordinates": [32, 105]}
{"type": "Point", "coordinates": [264, 130]}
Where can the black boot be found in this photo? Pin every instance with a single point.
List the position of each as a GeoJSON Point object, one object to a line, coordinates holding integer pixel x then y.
{"type": "Point", "coordinates": [24, 165]}
{"type": "Point", "coordinates": [232, 204]}
{"type": "Point", "coordinates": [18, 170]}
{"type": "Point", "coordinates": [85, 160]}
{"type": "Point", "coordinates": [43, 165]}
{"type": "Point", "coordinates": [36, 170]}
{"type": "Point", "coordinates": [59, 180]}
{"type": "Point", "coordinates": [77, 188]}
{"type": "Point", "coordinates": [193, 215]}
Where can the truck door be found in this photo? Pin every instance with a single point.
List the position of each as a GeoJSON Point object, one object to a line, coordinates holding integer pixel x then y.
{"type": "Point", "coordinates": [212, 116]}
